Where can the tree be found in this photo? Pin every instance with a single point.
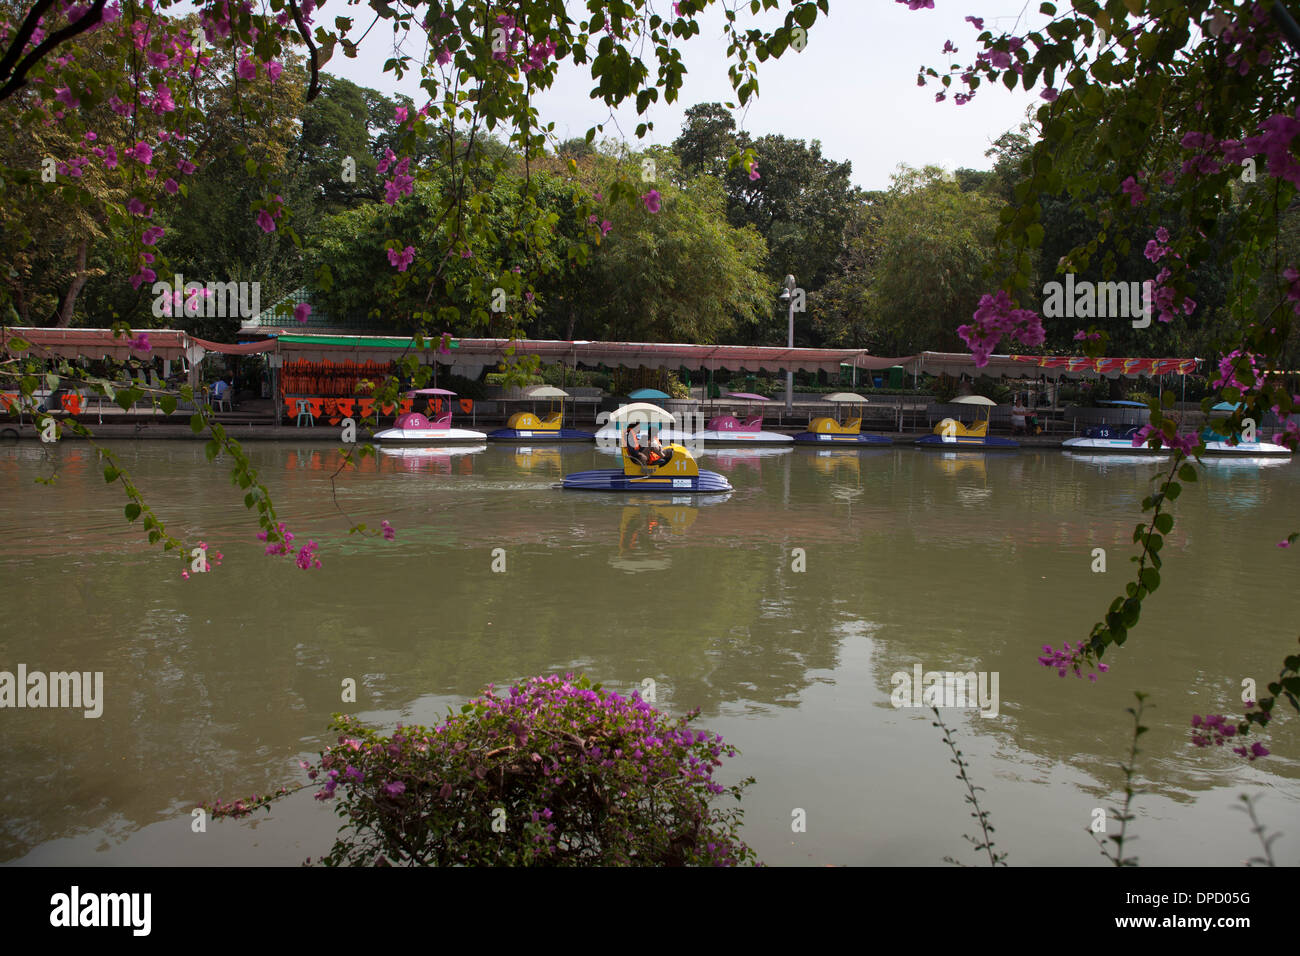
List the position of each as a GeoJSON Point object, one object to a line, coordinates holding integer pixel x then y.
{"type": "Point", "coordinates": [707, 140]}
{"type": "Point", "coordinates": [931, 249]}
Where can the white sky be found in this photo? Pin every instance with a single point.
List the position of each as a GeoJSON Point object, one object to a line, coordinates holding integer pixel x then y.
{"type": "Point", "coordinates": [853, 87]}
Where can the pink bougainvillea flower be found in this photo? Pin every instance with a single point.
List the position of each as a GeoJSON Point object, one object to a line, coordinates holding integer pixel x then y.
{"type": "Point", "coordinates": [401, 259]}
{"type": "Point", "coordinates": [140, 343]}
{"type": "Point", "coordinates": [141, 152]}
{"type": "Point", "coordinates": [399, 114]}
{"type": "Point", "coordinates": [186, 167]}
{"type": "Point", "coordinates": [273, 71]}
{"type": "Point", "coordinates": [917, 4]}
{"type": "Point", "coordinates": [171, 186]}
{"type": "Point", "coordinates": [1051, 94]}
{"type": "Point", "coordinates": [151, 235]}
{"type": "Point", "coordinates": [605, 227]}
{"type": "Point", "coordinates": [1133, 189]}
{"type": "Point", "coordinates": [265, 220]}
{"type": "Point", "coordinates": [389, 533]}
{"type": "Point", "coordinates": [977, 21]}
{"type": "Point", "coordinates": [301, 311]}
{"type": "Point", "coordinates": [995, 318]}
{"type": "Point", "coordinates": [136, 207]}
{"type": "Point", "coordinates": [247, 69]}
{"type": "Point", "coordinates": [753, 172]}
{"type": "Point", "coordinates": [651, 200]}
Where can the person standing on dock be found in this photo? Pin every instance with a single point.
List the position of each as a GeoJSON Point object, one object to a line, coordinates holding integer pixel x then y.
{"type": "Point", "coordinates": [1018, 413]}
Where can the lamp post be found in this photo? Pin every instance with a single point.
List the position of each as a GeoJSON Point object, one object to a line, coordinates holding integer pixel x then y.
{"type": "Point", "coordinates": [788, 296]}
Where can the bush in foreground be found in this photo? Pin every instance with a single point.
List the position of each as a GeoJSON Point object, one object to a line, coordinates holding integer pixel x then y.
{"type": "Point", "coordinates": [557, 772]}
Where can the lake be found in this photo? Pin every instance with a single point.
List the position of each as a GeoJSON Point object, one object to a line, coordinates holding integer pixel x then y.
{"type": "Point", "coordinates": [782, 610]}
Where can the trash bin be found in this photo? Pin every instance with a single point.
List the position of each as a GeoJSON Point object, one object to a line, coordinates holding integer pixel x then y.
{"type": "Point", "coordinates": [896, 376]}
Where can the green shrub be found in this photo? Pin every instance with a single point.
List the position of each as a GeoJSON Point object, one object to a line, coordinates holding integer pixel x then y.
{"type": "Point", "coordinates": [556, 772]}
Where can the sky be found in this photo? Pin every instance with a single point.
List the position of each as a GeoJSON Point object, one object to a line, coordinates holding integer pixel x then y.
{"type": "Point", "coordinates": [853, 87]}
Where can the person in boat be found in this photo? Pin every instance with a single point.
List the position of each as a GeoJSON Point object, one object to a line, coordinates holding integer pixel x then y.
{"type": "Point", "coordinates": [659, 455]}
{"type": "Point", "coordinates": [632, 441]}
{"type": "Point", "coordinates": [650, 457]}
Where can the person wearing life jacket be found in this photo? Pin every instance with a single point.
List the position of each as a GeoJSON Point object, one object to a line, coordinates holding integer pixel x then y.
{"type": "Point", "coordinates": [658, 454]}
{"type": "Point", "coordinates": [633, 443]}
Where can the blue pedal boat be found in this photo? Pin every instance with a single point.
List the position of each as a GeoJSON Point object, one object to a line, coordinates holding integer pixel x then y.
{"type": "Point", "coordinates": [678, 473]}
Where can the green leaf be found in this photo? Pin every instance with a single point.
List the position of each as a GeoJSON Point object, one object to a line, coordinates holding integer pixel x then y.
{"type": "Point", "coordinates": [132, 511]}
{"type": "Point", "coordinates": [211, 449]}
{"type": "Point", "coordinates": [1150, 578]}
{"type": "Point", "coordinates": [1164, 523]}
{"type": "Point", "coordinates": [1173, 490]}
{"type": "Point", "coordinates": [1186, 472]}
{"type": "Point", "coordinates": [168, 404]}
{"type": "Point", "coordinates": [110, 474]}
{"type": "Point", "coordinates": [196, 422]}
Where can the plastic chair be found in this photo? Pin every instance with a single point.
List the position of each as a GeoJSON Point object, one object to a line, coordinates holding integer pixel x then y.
{"type": "Point", "coordinates": [304, 410]}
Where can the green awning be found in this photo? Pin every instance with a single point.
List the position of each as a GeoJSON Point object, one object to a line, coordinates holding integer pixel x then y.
{"type": "Point", "coordinates": [357, 341]}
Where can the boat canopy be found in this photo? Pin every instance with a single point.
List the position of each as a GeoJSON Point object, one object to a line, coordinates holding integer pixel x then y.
{"type": "Point", "coordinates": [648, 393]}
{"type": "Point", "coordinates": [546, 391]}
{"type": "Point", "coordinates": [1226, 407]}
{"type": "Point", "coordinates": [1123, 403]}
{"type": "Point", "coordinates": [845, 397]}
{"type": "Point", "coordinates": [973, 400]}
{"type": "Point", "coordinates": [747, 396]}
{"type": "Point", "coordinates": [430, 391]}
{"type": "Point", "coordinates": [641, 412]}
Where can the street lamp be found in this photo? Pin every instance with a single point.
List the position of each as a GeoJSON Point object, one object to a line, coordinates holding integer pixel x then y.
{"type": "Point", "coordinates": [788, 296]}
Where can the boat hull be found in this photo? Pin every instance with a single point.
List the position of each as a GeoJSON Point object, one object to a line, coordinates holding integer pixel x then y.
{"type": "Point", "coordinates": [615, 479]}
{"type": "Point", "coordinates": [1123, 446]}
{"type": "Point", "coordinates": [834, 438]}
{"type": "Point", "coordinates": [540, 435]}
{"type": "Point", "coordinates": [430, 436]}
{"type": "Point", "coordinates": [1259, 449]}
{"type": "Point", "coordinates": [729, 437]}
{"type": "Point", "coordinates": [968, 443]}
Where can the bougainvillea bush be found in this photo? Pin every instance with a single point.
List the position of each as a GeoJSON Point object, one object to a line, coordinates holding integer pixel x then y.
{"type": "Point", "coordinates": [556, 772]}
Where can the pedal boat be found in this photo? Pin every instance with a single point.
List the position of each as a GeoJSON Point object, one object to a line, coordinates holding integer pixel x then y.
{"type": "Point", "coordinates": [678, 474]}
{"type": "Point", "coordinates": [414, 427]}
{"type": "Point", "coordinates": [531, 427]}
{"type": "Point", "coordinates": [837, 430]}
{"type": "Point", "coordinates": [1111, 438]}
{"type": "Point", "coordinates": [735, 430]}
{"type": "Point", "coordinates": [952, 435]}
{"type": "Point", "coordinates": [1218, 443]}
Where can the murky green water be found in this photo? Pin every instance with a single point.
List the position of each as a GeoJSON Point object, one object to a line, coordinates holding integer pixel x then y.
{"type": "Point", "coordinates": [218, 685]}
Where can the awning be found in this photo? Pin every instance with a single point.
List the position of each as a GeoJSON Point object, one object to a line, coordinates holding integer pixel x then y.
{"type": "Point", "coordinates": [483, 352]}
{"type": "Point", "coordinates": [245, 348]}
{"type": "Point", "coordinates": [92, 343]}
{"type": "Point", "coordinates": [1053, 366]}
